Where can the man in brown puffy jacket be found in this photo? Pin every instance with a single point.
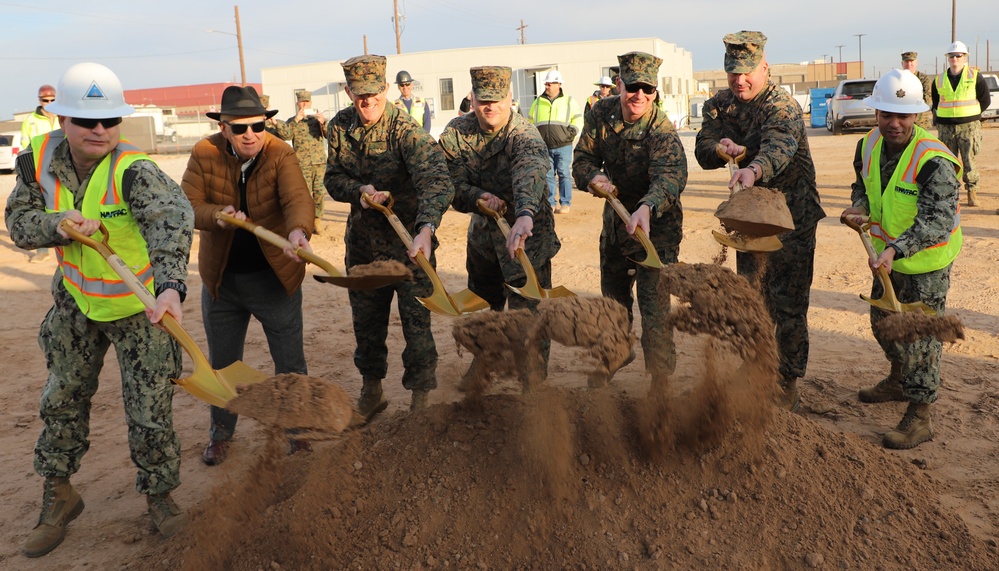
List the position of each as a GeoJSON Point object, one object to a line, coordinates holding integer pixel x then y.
{"type": "Point", "coordinates": [250, 174]}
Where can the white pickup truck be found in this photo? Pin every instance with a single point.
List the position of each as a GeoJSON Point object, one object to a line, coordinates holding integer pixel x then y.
{"type": "Point", "coordinates": [992, 113]}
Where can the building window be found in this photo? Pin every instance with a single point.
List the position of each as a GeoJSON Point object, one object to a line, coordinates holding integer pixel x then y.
{"type": "Point", "coordinates": [447, 95]}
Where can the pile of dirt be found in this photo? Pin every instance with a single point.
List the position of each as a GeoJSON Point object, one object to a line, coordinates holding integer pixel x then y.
{"type": "Point", "coordinates": [381, 268]}
{"type": "Point", "coordinates": [909, 326]}
{"type": "Point", "coordinates": [306, 405]}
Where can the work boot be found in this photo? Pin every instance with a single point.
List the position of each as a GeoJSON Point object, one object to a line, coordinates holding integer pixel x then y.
{"type": "Point", "coordinates": [788, 398]}
{"type": "Point", "coordinates": [888, 390]}
{"type": "Point", "coordinates": [167, 517]}
{"type": "Point", "coordinates": [61, 504]}
{"type": "Point", "coordinates": [317, 228]}
{"type": "Point", "coordinates": [420, 399]}
{"type": "Point", "coordinates": [372, 399]}
{"type": "Point", "coordinates": [972, 197]}
{"type": "Point", "coordinates": [914, 429]}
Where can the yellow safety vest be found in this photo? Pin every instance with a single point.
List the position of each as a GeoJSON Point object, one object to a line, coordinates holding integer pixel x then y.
{"type": "Point", "coordinates": [35, 125]}
{"type": "Point", "coordinates": [894, 211]}
{"type": "Point", "coordinates": [98, 290]}
{"type": "Point", "coordinates": [960, 102]}
{"type": "Point", "coordinates": [416, 110]}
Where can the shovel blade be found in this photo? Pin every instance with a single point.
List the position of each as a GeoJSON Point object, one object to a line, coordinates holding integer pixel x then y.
{"type": "Point", "coordinates": [216, 387]}
{"type": "Point", "coordinates": [748, 244]}
{"type": "Point", "coordinates": [467, 302]}
{"type": "Point", "coordinates": [360, 282]}
{"type": "Point", "coordinates": [885, 304]}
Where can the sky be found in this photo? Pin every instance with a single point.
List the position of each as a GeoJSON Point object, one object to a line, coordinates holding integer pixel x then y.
{"type": "Point", "coordinates": [165, 43]}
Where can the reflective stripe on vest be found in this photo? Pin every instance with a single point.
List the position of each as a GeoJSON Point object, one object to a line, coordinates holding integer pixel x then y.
{"type": "Point", "coordinates": [99, 292]}
{"type": "Point", "coordinates": [416, 111]}
{"type": "Point", "coordinates": [960, 102]}
{"type": "Point", "coordinates": [551, 110]}
{"type": "Point", "coordinates": [894, 211]}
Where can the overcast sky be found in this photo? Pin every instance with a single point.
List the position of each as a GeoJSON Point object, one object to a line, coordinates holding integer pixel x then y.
{"type": "Point", "coordinates": [164, 43]}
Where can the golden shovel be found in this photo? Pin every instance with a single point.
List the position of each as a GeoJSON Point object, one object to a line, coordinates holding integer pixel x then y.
{"type": "Point", "coordinates": [214, 387]}
{"type": "Point", "coordinates": [757, 234]}
{"type": "Point", "coordinates": [532, 289]}
{"type": "Point", "coordinates": [888, 301]}
{"type": "Point", "coordinates": [652, 258]}
{"type": "Point", "coordinates": [334, 276]}
{"type": "Point", "coordinates": [440, 301]}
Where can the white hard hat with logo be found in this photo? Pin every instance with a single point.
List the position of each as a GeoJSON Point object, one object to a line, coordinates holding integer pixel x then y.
{"type": "Point", "coordinates": [553, 77]}
{"type": "Point", "coordinates": [898, 91]}
{"type": "Point", "coordinates": [605, 80]}
{"type": "Point", "coordinates": [958, 48]}
{"type": "Point", "coordinates": [90, 91]}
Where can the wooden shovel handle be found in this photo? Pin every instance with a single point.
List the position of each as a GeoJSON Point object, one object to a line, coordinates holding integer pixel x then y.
{"type": "Point", "coordinates": [733, 165]}
{"type": "Point", "coordinates": [277, 240]}
{"type": "Point", "coordinates": [404, 235]}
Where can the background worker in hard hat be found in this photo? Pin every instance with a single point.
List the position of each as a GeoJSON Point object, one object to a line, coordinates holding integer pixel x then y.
{"type": "Point", "coordinates": [307, 133]}
{"type": "Point", "coordinates": [85, 174]}
{"type": "Point", "coordinates": [40, 121]}
{"type": "Point", "coordinates": [559, 120]}
{"type": "Point", "coordinates": [629, 143]}
{"type": "Point", "coordinates": [757, 115]}
{"type": "Point", "coordinates": [496, 155]}
{"type": "Point", "coordinates": [410, 103]}
{"type": "Point", "coordinates": [603, 91]}
{"type": "Point", "coordinates": [376, 149]}
{"type": "Point", "coordinates": [960, 94]}
{"type": "Point", "coordinates": [915, 229]}
{"type": "Point", "coordinates": [910, 62]}
{"type": "Point", "coordinates": [245, 172]}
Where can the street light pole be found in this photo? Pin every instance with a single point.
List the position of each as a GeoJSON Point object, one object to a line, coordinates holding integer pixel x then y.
{"type": "Point", "coordinates": [239, 44]}
{"type": "Point", "coordinates": [860, 50]}
{"type": "Point", "coordinates": [840, 52]}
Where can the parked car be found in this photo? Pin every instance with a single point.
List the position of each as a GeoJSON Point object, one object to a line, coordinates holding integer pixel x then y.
{"type": "Point", "coordinates": [10, 145]}
{"type": "Point", "coordinates": [992, 113]}
{"type": "Point", "coordinates": [846, 109]}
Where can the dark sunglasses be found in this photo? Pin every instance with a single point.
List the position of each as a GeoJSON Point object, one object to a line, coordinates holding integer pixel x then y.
{"type": "Point", "coordinates": [635, 87]}
{"type": "Point", "coordinates": [46, 99]}
{"type": "Point", "coordinates": [92, 123]}
{"type": "Point", "coordinates": [405, 84]}
{"type": "Point", "coordinates": [240, 128]}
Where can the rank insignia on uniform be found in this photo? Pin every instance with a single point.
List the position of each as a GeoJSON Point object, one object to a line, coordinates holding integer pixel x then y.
{"type": "Point", "coordinates": [900, 93]}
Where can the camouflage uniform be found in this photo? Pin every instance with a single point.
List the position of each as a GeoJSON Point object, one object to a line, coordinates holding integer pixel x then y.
{"type": "Point", "coordinates": [925, 119]}
{"type": "Point", "coordinates": [647, 164]}
{"type": "Point", "coordinates": [937, 207]}
{"type": "Point", "coordinates": [75, 346]}
{"type": "Point", "coordinates": [308, 137]}
{"type": "Point", "coordinates": [396, 155]}
{"type": "Point", "coordinates": [772, 129]}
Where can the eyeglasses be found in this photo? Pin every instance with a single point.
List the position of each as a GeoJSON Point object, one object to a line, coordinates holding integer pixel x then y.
{"type": "Point", "coordinates": [405, 84]}
{"type": "Point", "coordinates": [635, 87]}
{"type": "Point", "coordinates": [955, 56]}
{"type": "Point", "coordinates": [240, 128]}
{"type": "Point", "coordinates": [46, 99]}
{"type": "Point", "coordinates": [92, 123]}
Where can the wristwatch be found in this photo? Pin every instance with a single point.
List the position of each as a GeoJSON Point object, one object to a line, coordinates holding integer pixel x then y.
{"type": "Point", "coordinates": [174, 285]}
{"type": "Point", "coordinates": [433, 229]}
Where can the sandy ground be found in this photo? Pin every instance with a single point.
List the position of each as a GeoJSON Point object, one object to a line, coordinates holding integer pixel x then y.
{"type": "Point", "coordinates": [961, 464]}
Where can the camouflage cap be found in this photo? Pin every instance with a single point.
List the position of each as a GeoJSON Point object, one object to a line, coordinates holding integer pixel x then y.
{"type": "Point", "coordinates": [909, 56]}
{"type": "Point", "coordinates": [743, 51]}
{"type": "Point", "coordinates": [490, 82]}
{"type": "Point", "coordinates": [639, 67]}
{"type": "Point", "coordinates": [365, 74]}
{"type": "Point", "coordinates": [304, 96]}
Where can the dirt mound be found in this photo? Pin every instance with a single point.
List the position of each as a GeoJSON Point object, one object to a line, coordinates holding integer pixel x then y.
{"type": "Point", "coordinates": [307, 405]}
{"type": "Point", "coordinates": [380, 268]}
{"type": "Point", "coordinates": [472, 487]}
{"type": "Point", "coordinates": [910, 326]}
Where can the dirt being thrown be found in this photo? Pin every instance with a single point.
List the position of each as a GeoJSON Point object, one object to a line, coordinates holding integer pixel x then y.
{"type": "Point", "coordinates": [910, 326]}
{"type": "Point", "coordinates": [308, 405]}
{"type": "Point", "coordinates": [381, 268]}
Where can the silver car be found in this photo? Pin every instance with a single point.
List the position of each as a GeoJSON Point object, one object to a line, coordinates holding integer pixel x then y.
{"type": "Point", "coordinates": [846, 109]}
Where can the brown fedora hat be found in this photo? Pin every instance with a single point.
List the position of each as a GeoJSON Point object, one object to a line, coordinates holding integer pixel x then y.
{"type": "Point", "coordinates": [241, 102]}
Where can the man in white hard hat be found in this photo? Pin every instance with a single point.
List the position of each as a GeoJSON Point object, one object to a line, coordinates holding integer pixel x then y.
{"type": "Point", "coordinates": [604, 87]}
{"type": "Point", "coordinates": [86, 175]}
{"type": "Point", "coordinates": [916, 232]}
{"type": "Point", "coordinates": [559, 120]}
{"type": "Point", "coordinates": [960, 94]}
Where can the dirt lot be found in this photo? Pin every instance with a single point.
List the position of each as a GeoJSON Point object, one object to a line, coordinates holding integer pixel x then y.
{"type": "Point", "coordinates": [473, 486]}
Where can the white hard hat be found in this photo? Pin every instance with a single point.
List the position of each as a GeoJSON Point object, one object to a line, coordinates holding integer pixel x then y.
{"type": "Point", "coordinates": [553, 77]}
{"type": "Point", "coordinates": [90, 91]}
{"type": "Point", "coordinates": [898, 91]}
{"type": "Point", "coordinates": [605, 80]}
{"type": "Point", "coordinates": [957, 48]}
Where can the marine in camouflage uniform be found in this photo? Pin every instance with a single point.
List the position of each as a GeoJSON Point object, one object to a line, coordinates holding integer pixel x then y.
{"type": "Point", "coordinates": [770, 126]}
{"type": "Point", "coordinates": [393, 154]}
{"type": "Point", "coordinates": [645, 160]}
{"type": "Point", "coordinates": [308, 135]}
{"type": "Point", "coordinates": [910, 61]}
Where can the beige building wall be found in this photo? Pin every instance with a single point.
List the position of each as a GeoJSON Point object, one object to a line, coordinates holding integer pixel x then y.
{"type": "Point", "coordinates": [441, 77]}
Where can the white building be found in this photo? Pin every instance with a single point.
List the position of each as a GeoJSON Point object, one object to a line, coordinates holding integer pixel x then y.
{"type": "Point", "coordinates": [442, 79]}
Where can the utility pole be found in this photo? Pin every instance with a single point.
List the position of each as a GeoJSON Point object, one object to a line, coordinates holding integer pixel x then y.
{"type": "Point", "coordinates": [953, 21]}
{"type": "Point", "coordinates": [523, 26]}
{"type": "Point", "coordinates": [395, 18]}
{"type": "Point", "coordinates": [860, 50]}
{"type": "Point", "coordinates": [239, 42]}
{"type": "Point", "coordinates": [365, 44]}
{"type": "Point", "coordinates": [840, 52]}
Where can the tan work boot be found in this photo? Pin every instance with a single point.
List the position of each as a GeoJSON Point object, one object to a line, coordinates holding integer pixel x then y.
{"type": "Point", "coordinates": [317, 228]}
{"type": "Point", "coordinates": [61, 504]}
{"type": "Point", "coordinates": [788, 398]}
{"type": "Point", "coordinates": [167, 516]}
{"type": "Point", "coordinates": [914, 429]}
{"type": "Point", "coordinates": [888, 390]}
{"type": "Point", "coordinates": [372, 399]}
{"type": "Point", "coordinates": [420, 399]}
{"type": "Point", "coordinates": [972, 197]}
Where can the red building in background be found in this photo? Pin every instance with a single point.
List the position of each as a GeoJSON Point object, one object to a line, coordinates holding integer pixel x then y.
{"type": "Point", "coordinates": [190, 101]}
